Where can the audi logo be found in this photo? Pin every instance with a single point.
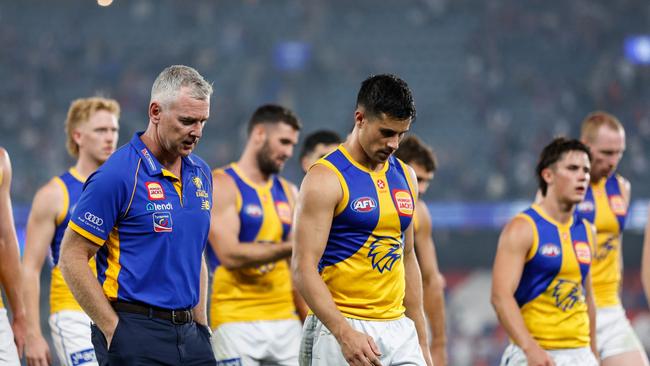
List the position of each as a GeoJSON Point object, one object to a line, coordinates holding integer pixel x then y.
{"type": "Point", "coordinates": [94, 219]}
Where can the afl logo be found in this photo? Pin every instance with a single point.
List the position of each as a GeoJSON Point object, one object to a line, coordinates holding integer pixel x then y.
{"type": "Point", "coordinates": [586, 206]}
{"type": "Point", "coordinates": [363, 204]}
{"type": "Point", "coordinates": [549, 250]}
{"type": "Point", "coordinates": [253, 210]}
{"type": "Point", "coordinates": [94, 219]}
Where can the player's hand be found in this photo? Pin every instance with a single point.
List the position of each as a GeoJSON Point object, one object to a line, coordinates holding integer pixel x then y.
{"type": "Point", "coordinates": [537, 356]}
{"type": "Point", "coordinates": [359, 349]}
{"type": "Point", "coordinates": [37, 351]}
{"type": "Point", "coordinates": [19, 328]}
{"type": "Point", "coordinates": [109, 334]}
{"type": "Point", "coordinates": [438, 354]}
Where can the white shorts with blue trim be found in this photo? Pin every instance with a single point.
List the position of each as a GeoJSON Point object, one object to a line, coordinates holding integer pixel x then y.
{"type": "Point", "coordinates": [71, 337]}
{"type": "Point", "coordinates": [515, 356]}
{"type": "Point", "coordinates": [614, 334]}
{"type": "Point", "coordinates": [264, 342]}
{"type": "Point", "coordinates": [397, 341]}
{"type": "Point", "coordinates": [8, 351]}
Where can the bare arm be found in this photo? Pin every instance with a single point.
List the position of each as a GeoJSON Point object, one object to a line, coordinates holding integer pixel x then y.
{"type": "Point", "coordinates": [514, 243]}
{"type": "Point", "coordinates": [432, 285]}
{"type": "Point", "coordinates": [200, 311]}
{"type": "Point", "coordinates": [224, 231]}
{"type": "Point", "coordinates": [645, 261]}
{"type": "Point", "coordinates": [76, 251]}
{"type": "Point", "coordinates": [41, 225]}
{"type": "Point", "coordinates": [591, 310]}
{"type": "Point", "coordinates": [10, 274]}
{"type": "Point", "coordinates": [319, 195]}
{"type": "Point", "coordinates": [301, 306]}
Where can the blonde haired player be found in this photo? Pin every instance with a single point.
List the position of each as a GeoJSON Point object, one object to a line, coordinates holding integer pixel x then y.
{"type": "Point", "coordinates": [92, 133]}
{"type": "Point", "coordinates": [605, 205]}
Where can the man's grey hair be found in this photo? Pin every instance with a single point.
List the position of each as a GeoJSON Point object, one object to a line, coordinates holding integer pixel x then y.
{"type": "Point", "coordinates": [173, 78]}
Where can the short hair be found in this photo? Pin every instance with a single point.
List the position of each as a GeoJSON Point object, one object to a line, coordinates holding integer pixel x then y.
{"type": "Point", "coordinates": [170, 81]}
{"type": "Point", "coordinates": [594, 120]}
{"type": "Point", "coordinates": [273, 114]}
{"type": "Point", "coordinates": [413, 150]}
{"type": "Point", "coordinates": [325, 137]}
{"type": "Point", "coordinates": [553, 152]}
{"type": "Point", "coordinates": [80, 112]}
{"type": "Point", "coordinates": [387, 94]}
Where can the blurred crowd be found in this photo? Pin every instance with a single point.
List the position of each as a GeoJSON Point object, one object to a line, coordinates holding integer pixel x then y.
{"type": "Point", "coordinates": [493, 81]}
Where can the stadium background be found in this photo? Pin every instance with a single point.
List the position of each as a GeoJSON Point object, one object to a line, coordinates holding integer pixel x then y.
{"type": "Point", "coordinates": [493, 82]}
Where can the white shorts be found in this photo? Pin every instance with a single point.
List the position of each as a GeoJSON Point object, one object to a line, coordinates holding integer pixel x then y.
{"type": "Point", "coordinates": [269, 342]}
{"type": "Point", "coordinates": [515, 356]}
{"type": "Point", "coordinates": [8, 351]}
{"type": "Point", "coordinates": [397, 341]}
{"type": "Point", "coordinates": [71, 337]}
{"type": "Point", "coordinates": [614, 334]}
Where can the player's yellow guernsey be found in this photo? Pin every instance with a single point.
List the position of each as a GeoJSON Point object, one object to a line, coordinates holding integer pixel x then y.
{"type": "Point", "coordinates": [362, 264]}
{"type": "Point", "coordinates": [264, 292]}
{"type": "Point", "coordinates": [61, 298]}
{"type": "Point", "coordinates": [605, 207]}
{"type": "Point", "coordinates": [551, 293]}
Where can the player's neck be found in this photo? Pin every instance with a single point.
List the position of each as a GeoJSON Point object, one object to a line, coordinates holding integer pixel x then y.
{"type": "Point", "coordinates": [86, 165]}
{"type": "Point", "coordinates": [359, 155]}
{"type": "Point", "coordinates": [249, 166]}
{"type": "Point", "coordinates": [558, 210]}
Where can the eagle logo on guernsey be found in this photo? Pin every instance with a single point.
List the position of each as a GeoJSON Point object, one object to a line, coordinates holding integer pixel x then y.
{"type": "Point", "coordinates": [403, 202]}
{"type": "Point", "coordinates": [566, 294]}
{"type": "Point", "coordinates": [605, 248]}
{"type": "Point", "coordinates": [384, 252]}
{"type": "Point", "coordinates": [162, 222]}
{"type": "Point", "coordinates": [617, 203]}
{"type": "Point", "coordinates": [155, 191]}
{"type": "Point", "coordinates": [363, 204]}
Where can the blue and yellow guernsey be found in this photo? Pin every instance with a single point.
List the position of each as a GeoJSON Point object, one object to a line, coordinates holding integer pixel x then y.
{"type": "Point", "coordinates": [362, 263]}
{"type": "Point", "coordinates": [605, 207]}
{"type": "Point", "coordinates": [151, 225]}
{"type": "Point", "coordinates": [61, 298]}
{"type": "Point", "coordinates": [264, 292]}
{"type": "Point", "coordinates": [551, 293]}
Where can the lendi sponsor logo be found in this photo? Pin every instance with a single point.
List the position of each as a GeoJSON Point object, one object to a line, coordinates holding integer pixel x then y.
{"type": "Point", "coordinates": [152, 206]}
{"type": "Point", "coordinates": [90, 217]}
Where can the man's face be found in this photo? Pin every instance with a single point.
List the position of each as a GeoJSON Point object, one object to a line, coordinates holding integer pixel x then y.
{"type": "Point", "coordinates": [319, 151]}
{"type": "Point", "coordinates": [380, 136]}
{"type": "Point", "coordinates": [98, 137]}
{"type": "Point", "coordinates": [569, 177]}
{"type": "Point", "coordinates": [181, 123]}
{"type": "Point", "coordinates": [279, 139]}
{"type": "Point", "coordinates": [607, 149]}
{"type": "Point", "coordinates": [424, 177]}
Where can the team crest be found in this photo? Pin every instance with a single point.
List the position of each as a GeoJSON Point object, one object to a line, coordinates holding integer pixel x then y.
{"type": "Point", "coordinates": [583, 252]}
{"type": "Point", "coordinates": [403, 202]}
{"type": "Point", "coordinates": [617, 203]}
{"type": "Point", "coordinates": [566, 294]}
{"type": "Point", "coordinates": [155, 191]}
{"type": "Point", "coordinates": [603, 250]}
{"type": "Point", "coordinates": [284, 212]}
{"type": "Point", "coordinates": [384, 252]}
{"type": "Point", "coordinates": [198, 183]}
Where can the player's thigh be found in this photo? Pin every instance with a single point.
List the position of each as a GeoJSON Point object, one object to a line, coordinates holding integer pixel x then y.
{"type": "Point", "coordinates": [71, 337]}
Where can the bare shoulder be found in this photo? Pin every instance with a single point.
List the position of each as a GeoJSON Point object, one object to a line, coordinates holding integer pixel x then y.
{"type": "Point", "coordinates": [625, 184]}
{"type": "Point", "coordinates": [49, 198]}
{"type": "Point", "coordinates": [321, 184]}
{"type": "Point", "coordinates": [222, 181]}
{"type": "Point", "coordinates": [517, 234]}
